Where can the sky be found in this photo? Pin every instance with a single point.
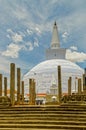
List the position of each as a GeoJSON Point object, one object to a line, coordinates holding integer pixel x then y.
{"type": "Point", "coordinates": [26, 31]}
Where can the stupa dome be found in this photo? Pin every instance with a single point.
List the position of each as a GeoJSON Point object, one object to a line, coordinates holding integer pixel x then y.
{"type": "Point", "coordinates": [46, 74]}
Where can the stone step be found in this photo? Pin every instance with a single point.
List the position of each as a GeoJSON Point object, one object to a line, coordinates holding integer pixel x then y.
{"type": "Point", "coordinates": [26, 129]}
{"type": "Point", "coordinates": [56, 110]}
{"type": "Point", "coordinates": [72, 105]}
{"type": "Point", "coordinates": [44, 118]}
{"type": "Point", "coordinates": [54, 122]}
{"type": "Point", "coordinates": [41, 129]}
{"type": "Point", "coordinates": [44, 126]}
{"type": "Point", "coordinates": [41, 112]}
{"type": "Point", "coordinates": [45, 108]}
{"type": "Point", "coordinates": [42, 115]}
{"type": "Point", "coordinates": [37, 129]}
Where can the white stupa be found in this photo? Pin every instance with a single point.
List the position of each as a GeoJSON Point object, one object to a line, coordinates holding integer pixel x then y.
{"type": "Point", "coordinates": [45, 73]}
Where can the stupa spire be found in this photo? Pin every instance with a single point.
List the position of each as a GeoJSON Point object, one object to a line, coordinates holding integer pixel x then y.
{"type": "Point", "coordinates": [55, 52]}
{"type": "Point", "coordinates": [55, 38]}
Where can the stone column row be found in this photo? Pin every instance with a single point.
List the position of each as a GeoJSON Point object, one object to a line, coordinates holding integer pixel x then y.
{"type": "Point", "coordinates": [69, 85]}
{"type": "Point", "coordinates": [20, 85]}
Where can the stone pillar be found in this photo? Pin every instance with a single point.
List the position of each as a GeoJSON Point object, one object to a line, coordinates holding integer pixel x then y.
{"type": "Point", "coordinates": [69, 85]}
{"type": "Point", "coordinates": [12, 83]}
{"type": "Point", "coordinates": [5, 86]}
{"type": "Point", "coordinates": [22, 93]}
{"type": "Point", "coordinates": [32, 94]}
{"type": "Point", "coordinates": [30, 84]}
{"type": "Point", "coordinates": [59, 84]}
{"type": "Point", "coordinates": [0, 84]}
{"type": "Point", "coordinates": [18, 85]}
{"type": "Point", "coordinates": [84, 83]}
{"type": "Point", "coordinates": [79, 86]}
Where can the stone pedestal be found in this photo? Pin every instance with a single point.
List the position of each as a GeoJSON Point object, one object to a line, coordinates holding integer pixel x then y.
{"type": "Point", "coordinates": [32, 94]}
{"type": "Point", "coordinates": [5, 86]}
{"type": "Point", "coordinates": [18, 84]}
{"type": "Point", "coordinates": [22, 93]}
{"type": "Point", "coordinates": [69, 85]}
{"type": "Point", "coordinates": [79, 86]}
{"type": "Point", "coordinates": [0, 84]}
{"type": "Point", "coordinates": [12, 83]}
{"type": "Point", "coordinates": [59, 84]}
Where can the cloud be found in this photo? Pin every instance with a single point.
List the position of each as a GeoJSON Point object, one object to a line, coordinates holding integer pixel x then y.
{"type": "Point", "coordinates": [28, 43]}
{"type": "Point", "coordinates": [74, 48]}
{"type": "Point", "coordinates": [33, 30]}
{"type": "Point", "coordinates": [38, 31]}
{"type": "Point", "coordinates": [65, 36]}
{"type": "Point", "coordinates": [29, 46]}
{"type": "Point", "coordinates": [29, 31]}
{"type": "Point", "coordinates": [15, 37]}
{"type": "Point", "coordinates": [14, 47]}
{"type": "Point", "coordinates": [12, 51]}
{"type": "Point", "coordinates": [75, 56]}
{"type": "Point", "coordinates": [36, 42]}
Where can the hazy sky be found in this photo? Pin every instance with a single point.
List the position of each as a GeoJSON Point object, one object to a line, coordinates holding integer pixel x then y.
{"type": "Point", "coordinates": [26, 31]}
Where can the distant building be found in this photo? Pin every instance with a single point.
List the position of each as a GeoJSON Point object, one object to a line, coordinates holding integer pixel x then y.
{"type": "Point", "coordinates": [46, 72]}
